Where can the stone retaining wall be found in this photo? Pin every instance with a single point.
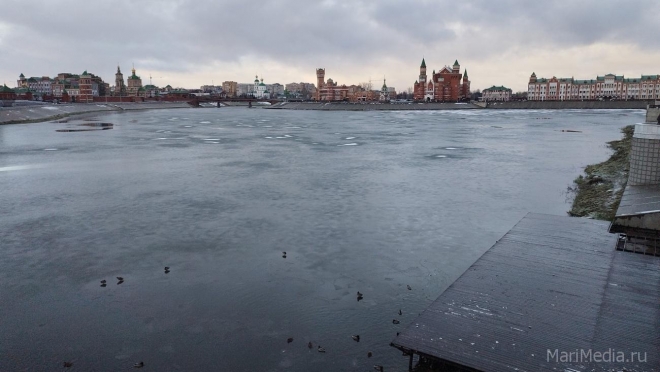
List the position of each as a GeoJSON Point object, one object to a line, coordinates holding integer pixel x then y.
{"type": "Point", "coordinates": [652, 114]}
{"type": "Point", "coordinates": [645, 156]}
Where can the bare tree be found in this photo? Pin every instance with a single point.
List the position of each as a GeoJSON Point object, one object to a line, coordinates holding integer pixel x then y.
{"type": "Point", "coordinates": [366, 86]}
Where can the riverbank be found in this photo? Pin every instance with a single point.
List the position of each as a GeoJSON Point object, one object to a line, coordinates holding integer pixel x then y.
{"type": "Point", "coordinates": [569, 105]}
{"type": "Point", "coordinates": [44, 112]}
{"type": "Point", "coordinates": [599, 192]}
{"type": "Point", "coordinates": [524, 105]}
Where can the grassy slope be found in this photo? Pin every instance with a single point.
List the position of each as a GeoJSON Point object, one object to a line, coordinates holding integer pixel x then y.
{"type": "Point", "coordinates": [598, 194]}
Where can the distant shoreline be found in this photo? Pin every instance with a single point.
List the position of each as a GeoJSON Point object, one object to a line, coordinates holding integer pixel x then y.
{"type": "Point", "coordinates": [524, 105]}
{"type": "Point", "coordinates": [47, 112]}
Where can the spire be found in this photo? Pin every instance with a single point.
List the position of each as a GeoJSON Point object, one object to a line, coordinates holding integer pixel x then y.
{"type": "Point", "coordinates": [456, 63]}
{"type": "Point", "coordinates": [465, 74]}
{"type": "Point", "coordinates": [423, 63]}
{"type": "Point", "coordinates": [118, 70]}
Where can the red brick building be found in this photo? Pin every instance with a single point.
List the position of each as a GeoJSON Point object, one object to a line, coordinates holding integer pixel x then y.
{"type": "Point", "coordinates": [85, 86]}
{"type": "Point", "coordinates": [447, 85]}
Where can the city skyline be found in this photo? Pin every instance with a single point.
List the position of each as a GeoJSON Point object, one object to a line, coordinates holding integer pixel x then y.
{"type": "Point", "coordinates": [183, 44]}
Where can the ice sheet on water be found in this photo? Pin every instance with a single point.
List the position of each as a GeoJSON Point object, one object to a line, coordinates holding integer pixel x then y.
{"type": "Point", "coordinates": [19, 167]}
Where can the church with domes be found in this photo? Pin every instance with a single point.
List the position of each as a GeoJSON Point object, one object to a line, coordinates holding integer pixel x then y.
{"type": "Point", "coordinates": [260, 90]}
{"type": "Point", "coordinates": [447, 85]}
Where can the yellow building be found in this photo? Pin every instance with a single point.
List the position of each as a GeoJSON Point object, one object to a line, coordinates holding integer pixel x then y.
{"type": "Point", "coordinates": [133, 84]}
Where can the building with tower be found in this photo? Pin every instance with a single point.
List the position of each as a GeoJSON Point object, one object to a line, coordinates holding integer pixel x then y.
{"type": "Point", "coordinates": [320, 82]}
{"type": "Point", "coordinates": [260, 90]}
{"type": "Point", "coordinates": [384, 93]}
{"type": "Point", "coordinates": [133, 84]}
{"type": "Point", "coordinates": [120, 87]}
{"type": "Point", "coordinates": [329, 90]}
{"type": "Point", "coordinates": [447, 85]}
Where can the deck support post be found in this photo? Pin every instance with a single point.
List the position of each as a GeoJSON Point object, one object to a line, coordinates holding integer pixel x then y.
{"type": "Point", "coordinates": [410, 362]}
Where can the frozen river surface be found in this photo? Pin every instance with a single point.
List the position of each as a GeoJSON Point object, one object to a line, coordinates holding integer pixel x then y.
{"type": "Point", "coordinates": [360, 201]}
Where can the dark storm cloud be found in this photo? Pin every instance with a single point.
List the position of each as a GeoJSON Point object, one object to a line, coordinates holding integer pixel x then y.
{"type": "Point", "coordinates": [44, 37]}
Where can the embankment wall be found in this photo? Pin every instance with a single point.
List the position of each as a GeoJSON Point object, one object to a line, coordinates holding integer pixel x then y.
{"type": "Point", "coordinates": [567, 105]}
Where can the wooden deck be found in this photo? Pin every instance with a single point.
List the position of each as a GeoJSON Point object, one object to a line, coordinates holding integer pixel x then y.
{"type": "Point", "coordinates": [550, 284]}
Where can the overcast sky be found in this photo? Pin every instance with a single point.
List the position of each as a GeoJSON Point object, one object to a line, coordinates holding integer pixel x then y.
{"type": "Point", "coordinates": [191, 43]}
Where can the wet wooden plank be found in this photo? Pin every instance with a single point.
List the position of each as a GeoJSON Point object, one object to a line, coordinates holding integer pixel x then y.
{"type": "Point", "coordinates": [551, 283]}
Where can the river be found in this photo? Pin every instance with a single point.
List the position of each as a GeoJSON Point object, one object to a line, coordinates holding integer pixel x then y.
{"type": "Point", "coordinates": [359, 201]}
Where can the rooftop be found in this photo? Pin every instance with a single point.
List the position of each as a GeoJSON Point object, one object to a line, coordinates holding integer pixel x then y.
{"type": "Point", "coordinates": [500, 88]}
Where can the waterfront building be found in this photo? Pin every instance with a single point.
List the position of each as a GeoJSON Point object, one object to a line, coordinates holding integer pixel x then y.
{"type": "Point", "coordinates": [54, 87]}
{"type": "Point", "coordinates": [40, 85]}
{"type": "Point", "coordinates": [211, 89]}
{"type": "Point", "coordinates": [494, 93]}
{"type": "Point", "coordinates": [149, 91]}
{"type": "Point", "coordinates": [329, 90]}
{"type": "Point", "coordinates": [24, 94]}
{"type": "Point", "coordinates": [7, 96]}
{"type": "Point", "coordinates": [230, 88]}
{"type": "Point", "coordinates": [120, 87]}
{"type": "Point", "coordinates": [260, 90]}
{"type": "Point", "coordinates": [85, 88]}
{"type": "Point", "coordinates": [384, 93]}
{"type": "Point", "coordinates": [292, 87]}
{"type": "Point", "coordinates": [21, 82]}
{"type": "Point", "coordinates": [276, 89]}
{"type": "Point", "coordinates": [609, 86]}
{"type": "Point", "coordinates": [133, 84]}
{"type": "Point", "coordinates": [301, 90]}
{"type": "Point", "coordinates": [447, 85]}
{"type": "Point", "coordinates": [360, 94]}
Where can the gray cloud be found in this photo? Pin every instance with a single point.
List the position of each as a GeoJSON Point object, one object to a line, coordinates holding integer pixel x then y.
{"type": "Point", "coordinates": [349, 37]}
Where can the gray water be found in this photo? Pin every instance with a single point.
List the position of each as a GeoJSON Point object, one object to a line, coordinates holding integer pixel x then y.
{"type": "Point", "coordinates": [360, 201]}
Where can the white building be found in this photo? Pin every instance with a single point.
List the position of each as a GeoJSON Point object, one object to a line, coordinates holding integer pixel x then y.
{"type": "Point", "coordinates": [260, 89]}
{"type": "Point", "coordinates": [609, 86]}
{"type": "Point", "coordinates": [39, 85]}
{"type": "Point", "coordinates": [494, 93]}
